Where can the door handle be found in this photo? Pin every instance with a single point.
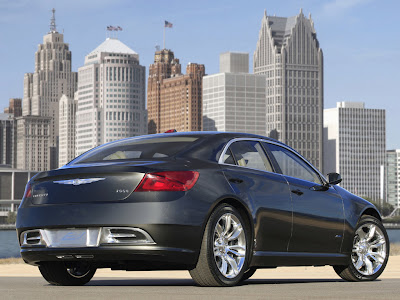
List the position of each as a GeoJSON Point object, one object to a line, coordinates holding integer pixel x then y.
{"type": "Point", "coordinates": [297, 192]}
{"type": "Point", "coordinates": [235, 180]}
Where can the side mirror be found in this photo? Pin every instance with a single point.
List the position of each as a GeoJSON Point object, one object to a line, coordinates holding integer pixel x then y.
{"type": "Point", "coordinates": [334, 178]}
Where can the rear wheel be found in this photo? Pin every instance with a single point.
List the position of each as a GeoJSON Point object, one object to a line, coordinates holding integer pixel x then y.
{"type": "Point", "coordinates": [224, 250]}
{"type": "Point", "coordinates": [58, 273]}
{"type": "Point", "coordinates": [250, 272]}
{"type": "Point", "coordinates": [370, 252]}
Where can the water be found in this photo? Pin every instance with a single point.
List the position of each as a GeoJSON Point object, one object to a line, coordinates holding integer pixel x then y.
{"type": "Point", "coordinates": [9, 244]}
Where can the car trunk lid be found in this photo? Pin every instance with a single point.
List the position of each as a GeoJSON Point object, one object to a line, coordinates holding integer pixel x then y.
{"type": "Point", "coordinates": [94, 183]}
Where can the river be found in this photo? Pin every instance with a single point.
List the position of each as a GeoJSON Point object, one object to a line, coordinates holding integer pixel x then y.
{"type": "Point", "coordinates": [9, 244]}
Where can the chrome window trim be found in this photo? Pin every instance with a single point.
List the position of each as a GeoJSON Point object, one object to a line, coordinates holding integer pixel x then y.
{"type": "Point", "coordinates": [221, 158]}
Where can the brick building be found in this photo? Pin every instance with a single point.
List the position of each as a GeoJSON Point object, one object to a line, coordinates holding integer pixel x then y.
{"type": "Point", "coordinates": [174, 100]}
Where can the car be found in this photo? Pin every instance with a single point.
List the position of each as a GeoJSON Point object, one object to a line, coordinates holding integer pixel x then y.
{"type": "Point", "coordinates": [218, 204]}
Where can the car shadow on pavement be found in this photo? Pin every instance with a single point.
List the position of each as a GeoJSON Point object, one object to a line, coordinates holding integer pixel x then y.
{"type": "Point", "coordinates": [190, 282]}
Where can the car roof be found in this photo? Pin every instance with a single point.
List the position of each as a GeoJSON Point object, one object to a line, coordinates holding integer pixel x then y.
{"type": "Point", "coordinates": [222, 134]}
{"type": "Point", "coordinates": [211, 133]}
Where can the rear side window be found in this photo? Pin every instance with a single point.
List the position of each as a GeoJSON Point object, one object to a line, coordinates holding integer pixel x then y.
{"type": "Point", "coordinates": [250, 154]}
{"type": "Point", "coordinates": [228, 157]}
{"type": "Point", "coordinates": [140, 148]}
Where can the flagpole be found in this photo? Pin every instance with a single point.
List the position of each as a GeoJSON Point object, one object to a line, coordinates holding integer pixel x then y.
{"type": "Point", "coordinates": [164, 38]}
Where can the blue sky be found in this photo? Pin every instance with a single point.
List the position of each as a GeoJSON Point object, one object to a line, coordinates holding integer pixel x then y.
{"type": "Point", "coordinates": [360, 39]}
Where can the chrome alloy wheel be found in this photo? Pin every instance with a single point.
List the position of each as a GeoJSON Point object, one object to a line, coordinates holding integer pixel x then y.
{"type": "Point", "coordinates": [229, 245]}
{"type": "Point", "coordinates": [369, 249]}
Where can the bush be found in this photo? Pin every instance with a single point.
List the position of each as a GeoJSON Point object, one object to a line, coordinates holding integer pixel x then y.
{"type": "Point", "coordinates": [392, 220]}
{"type": "Point", "coordinates": [11, 218]}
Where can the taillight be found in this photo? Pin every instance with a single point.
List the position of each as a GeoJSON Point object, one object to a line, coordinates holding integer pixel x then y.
{"type": "Point", "coordinates": [168, 181]}
{"type": "Point", "coordinates": [28, 191]}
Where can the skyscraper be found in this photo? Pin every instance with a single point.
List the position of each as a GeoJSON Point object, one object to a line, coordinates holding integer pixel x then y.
{"type": "Point", "coordinates": [7, 140]}
{"type": "Point", "coordinates": [14, 107]}
{"type": "Point", "coordinates": [51, 79]}
{"type": "Point", "coordinates": [33, 139]}
{"type": "Point", "coordinates": [111, 97]}
{"type": "Point", "coordinates": [174, 100]}
{"type": "Point", "coordinates": [234, 62]}
{"type": "Point", "coordinates": [355, 147]}
{"type": "Point", "coordinates": [67, 118]}
{"type": "Point", "coordinates": [288, 53]}
{"type": "Point", "coordinates": [393, 177]}
{"type": "Point", "coordinates": [234, 100]}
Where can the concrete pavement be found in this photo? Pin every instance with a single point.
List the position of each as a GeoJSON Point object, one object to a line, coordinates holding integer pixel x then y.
{"type": "Point", "coordinates": [24, 282]}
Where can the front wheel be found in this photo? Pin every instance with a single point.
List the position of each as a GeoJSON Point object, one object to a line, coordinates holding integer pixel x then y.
{"type": "Point", "coordinates": [225, 249]}
{"type": "Point", "coordinates": [370, 252]}
{"type": "Point", "coordinates": [59, 273]}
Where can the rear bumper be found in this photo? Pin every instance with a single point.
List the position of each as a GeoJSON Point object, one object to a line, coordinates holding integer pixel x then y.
{"type": "Point", "coordinates": [120, 257]}
{"type": "Point", "coordinates": [175, 224]}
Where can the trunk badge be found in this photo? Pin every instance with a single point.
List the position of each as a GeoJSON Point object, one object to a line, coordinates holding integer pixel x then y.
{"type": "Point", "coordinates": [78, 181]}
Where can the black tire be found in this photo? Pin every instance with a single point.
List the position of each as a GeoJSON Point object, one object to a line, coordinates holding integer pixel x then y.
{"type": "Point", "coordinates": [206, 272]}
{"type": "Point", "coordinates": [57, 273]}
{"type": "Point", "coordinates": [250, 272]}
{"type": "Point", "coordinates": [350, 272]}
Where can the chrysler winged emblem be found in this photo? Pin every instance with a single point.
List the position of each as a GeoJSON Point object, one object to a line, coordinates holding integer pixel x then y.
{"type": "Point", "coordinates": [78, 181]}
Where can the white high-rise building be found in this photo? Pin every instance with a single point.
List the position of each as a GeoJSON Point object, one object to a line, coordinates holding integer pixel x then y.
{"type": "Point", "coordinates": [52, 79]}
{"type": "Point", "coordinates": [67, 117]}
{"type": "Point", "coordinates": [393, 177]}
{"type": "Point", "coordinates": [234, 62]}
{"type": "Point", "coordinates": [288, 53]}
{"type": "Point", "coordinates": [33, 139]}
{"type": "Point", "coordinates": [111, 96]}
{"type": "Point", "coordinates": [233, 100]}
{"type": "Point", "coordinates": [355, 147]}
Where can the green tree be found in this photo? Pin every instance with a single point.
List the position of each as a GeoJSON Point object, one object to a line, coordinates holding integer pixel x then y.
{"type": "Point", "coordinates": [11, 218]}
{"type": "Point", "coordinates": [384, 208]}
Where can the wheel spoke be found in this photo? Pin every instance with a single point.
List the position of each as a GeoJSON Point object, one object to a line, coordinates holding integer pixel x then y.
{"type": "Point", "coordinates": [228, 221]}
{"type": "Point", "coordinates": [233, 251]}
{"type": "Point", "coordinates": [361, 233]}
{"type": "Point", "coordinates": [368, 265]}
{"type": "Point", "coordinates": [238, 248]}
{"type": "Point", "coordinates": [224, 266]}
{"type": "Point", "coordinates": [371, 232]}
{"type": "Point", "coordinates": [378, 243]}
{"type": "Point", "coordinates": [376, 257]}
{"type": "Point", "coordinates": [233, 264]}
{"type": "Point", "coordinates": [218, 229]}
{"type": "Point", "coordinates": [237, 230]}
{"type": "Point", "coordinates": [359, 263]}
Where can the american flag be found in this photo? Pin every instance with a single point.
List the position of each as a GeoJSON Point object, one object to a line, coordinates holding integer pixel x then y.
{"type": "Point", "coordinates": [168, 24]}
{"type": "Point", "coordinates": [114, 28]}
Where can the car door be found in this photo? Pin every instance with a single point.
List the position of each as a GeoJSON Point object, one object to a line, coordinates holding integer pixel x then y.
{"type": "Point", "coordinates": [318, 215]}
{"type": "Point", "coordinates": [250, 173]}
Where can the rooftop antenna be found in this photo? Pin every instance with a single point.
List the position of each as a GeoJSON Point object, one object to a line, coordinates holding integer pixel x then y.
{"type": "Point", "coordinates": [53, 27]}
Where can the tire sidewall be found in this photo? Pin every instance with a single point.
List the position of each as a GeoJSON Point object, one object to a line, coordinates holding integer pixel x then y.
{"type": "Point", "coordinates": [358, 275]}
{"type": "Point", "coordinates": [215, 216]}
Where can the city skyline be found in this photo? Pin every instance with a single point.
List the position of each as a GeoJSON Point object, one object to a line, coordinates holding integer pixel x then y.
{"type": "Point", "coordinates": [357, 66]}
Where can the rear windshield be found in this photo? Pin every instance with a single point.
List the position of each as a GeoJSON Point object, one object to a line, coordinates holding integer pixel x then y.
{"type": "Point", "coordinates": [140, 148]}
